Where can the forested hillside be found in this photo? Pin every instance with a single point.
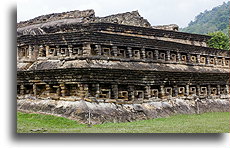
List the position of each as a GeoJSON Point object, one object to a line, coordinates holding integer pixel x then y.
{"type": "Point", "coordinates": [214, 20]}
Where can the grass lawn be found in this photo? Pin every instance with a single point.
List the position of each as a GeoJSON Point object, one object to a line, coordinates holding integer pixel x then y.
{"type": "Point", "coordinates": [203, 123]}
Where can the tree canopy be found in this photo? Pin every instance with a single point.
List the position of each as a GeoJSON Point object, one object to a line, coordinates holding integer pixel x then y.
{"type": "Point", "coordinates": [219, 40]}
{"type": "Point", "coordinates": [214, 20]}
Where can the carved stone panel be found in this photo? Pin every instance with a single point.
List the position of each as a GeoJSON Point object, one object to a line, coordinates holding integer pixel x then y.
{"type": "Point", "coordinates": [105, 94]}
{"type": "Point", "coordinates": [106, 52]}
{"type": "Point", "coordinates": [202, 60]}
{"type": "Point", "coordinates": [192, 90]}
{"type": "Point", "coordinates": [183, 58]}
{"type": "Point", "coordinates": [173, 57]}
{"type": "Point", "coordinates": [121, 53]}
{"type": "Point", "coordinates": [123, 95]}
{"type": "Point", "coordinates": [213, 91]}
{"type": "Point", "coordinates": [168, 91]}
{"type": "Point", "coordinates": [139, 94]}
{"type": "Point", "coordinates": [212, 61]}
{"type": "Point", "coordinates": [136, 54]}
{"type": "Point", "coordinates": [226, 62]}
{"type": "Point", "coordinates": [219, 61]}
{"type": "Point", "coordinates": [181, 91]}
{"type": "Point", "coordinates": [154, 93]}
{"type": "Point", "coordinates": [149, 54]}
{"type": "Point", "coordinates": [193, 59]}
{"type": "Point", "coordinates": [162, 56]}
{"type": "Point", "coordinates": [203, 91]}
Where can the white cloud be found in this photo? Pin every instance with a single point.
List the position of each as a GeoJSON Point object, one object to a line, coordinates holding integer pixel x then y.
{"type": "Point", "coordinates": [158, 12]}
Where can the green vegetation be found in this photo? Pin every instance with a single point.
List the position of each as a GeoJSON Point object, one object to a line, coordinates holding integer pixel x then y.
{"type": "Point", "coordinates": [203, 123]}
{"type": "Point", "coordinates": [214, 20]}
{"type": "Point", "coordinates": [219, 40]}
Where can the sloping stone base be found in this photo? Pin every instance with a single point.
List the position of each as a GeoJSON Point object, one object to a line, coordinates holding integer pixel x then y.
{"type": "Point", "coordinates": [110, 112]}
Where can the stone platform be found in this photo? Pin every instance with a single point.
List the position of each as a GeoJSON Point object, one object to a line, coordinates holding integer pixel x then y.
{"type": "Point", "coordinates": [111, 112]}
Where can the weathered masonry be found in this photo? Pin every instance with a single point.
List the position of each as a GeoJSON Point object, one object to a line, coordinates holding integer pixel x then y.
{"type": "Point", "coordinates": [103, 61]}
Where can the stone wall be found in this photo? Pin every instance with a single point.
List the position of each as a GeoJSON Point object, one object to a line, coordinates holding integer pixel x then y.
{"type": "Point", "coordinates": [181, 37]}
{"type": "Point", "coordinates": [100, 45]}
{"type": "Point", "coordinates": [121, 86]}
{"type": "Point", "coordinates": [86, 20]}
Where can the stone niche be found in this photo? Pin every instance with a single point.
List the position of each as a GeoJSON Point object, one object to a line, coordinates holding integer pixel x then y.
{"type": "Point", "coordinates": [212, 61]}
{"type": "Point", "coordinates": [149, 54]}
{"type": "Point", "coordinates": [181, 91]}
{"type": "Point", "coordinates": [105, 91]}
{"type": "Point", "coordinates": [192, 90]}
{"type": "Point", "coordinates": [77, 50]}
{"type": "Point", "coordinates": [227, 62]}
{"type": "Point", "coordinates": [106, 51]}
{"type": "Point", "coordinates": [203, 91]}
{"type": "Point", "coordinates": [105, 94]}
{"type": "Point", "coordinates": [121, 52]}
{"type": "Point", "coordinates": [168, 91]}
{"type": "Point", "coordinates": [213, 91]}
{"type": "Point", "coordinates": [193, 59]}
{"type": "Point", "coordinates": [202, 60]}
{"type": "Point", "coordinates": [183, 58]}
{"type": "Point", "coordinates": [23, 52]}
{"type": "Point", "coordinates": [136, 54]}
{"type": "Point", "coordinates": [123, 95]}
{"type": "Point", "coordinates": [173, 56]}
{"type": "Point", "coordinates": [154, 93]}
{"type": "Point", "coordinates": [162, 55]}
{"type": "Point", "coordinates": [139, 93]}
{"type": "Point", "coordinates": [220, 61]}
{"type": "Point", "coordinates": [41, 89]}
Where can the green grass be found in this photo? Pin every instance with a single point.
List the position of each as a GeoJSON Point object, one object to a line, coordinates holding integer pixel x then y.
{"type": "Point", "coordinates": [203, 123]}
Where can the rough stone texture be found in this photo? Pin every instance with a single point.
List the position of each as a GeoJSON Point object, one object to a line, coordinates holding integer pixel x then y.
{"type": "Point", "coordinates": [37, 25]}
{"type": "Point", "coordinates": [76, 21]}
{"type": "Point", "coordinates": [93, 63]}
{"type": "Point", "coordinates": [122, 72]}
{"type": "Point", "coordinates": [109, 112]}
{"type": "Point", "coordinates": [167, 27]}
{"type": "Point", "coordinates": [129, 18]}
{"type": "Point", "coordinates": [83, 15]}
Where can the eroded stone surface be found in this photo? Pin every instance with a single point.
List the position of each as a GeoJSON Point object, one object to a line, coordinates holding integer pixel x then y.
{"type": "Point", "coordinates": [110, 112]}
{"type": "Point", "coordinates": [121, 67]}
{"type": "Point", "coordinates": [40, 24]}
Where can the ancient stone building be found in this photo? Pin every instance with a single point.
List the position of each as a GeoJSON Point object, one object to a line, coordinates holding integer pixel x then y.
{"type": "Point", "coordinates": [116, 59]}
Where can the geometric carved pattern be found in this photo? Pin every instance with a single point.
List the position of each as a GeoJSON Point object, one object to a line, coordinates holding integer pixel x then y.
{"type": "Point", "coordinates": [168, 91]}
{"type": "Point", "coordinates": [149, 54]}
{"type": "Point", "coordinates": [162, 56]}
{"type": "Point", "coordinates": [181, 90]}
{"type": "Point", "coordinates": [183, 58]}
{"type": "Point", "coordinates": [213, 91]}
{"type": "Point", "coordinates": [203, 91]}
{"type": "Point", "coordinates": [173, 57]}
{"type": "Point", "coordinates": [202, 60]}
{"type": "Point", "coordinates": [139, 94]}
{"type": "Point", "coordinates": [123, 95]}
{"type": "Point", "coordinates": [192, 90]}
{"type": "Point", "coordinates": [193, 59]}
{"type": "Point", "coordinates": [154, 93]}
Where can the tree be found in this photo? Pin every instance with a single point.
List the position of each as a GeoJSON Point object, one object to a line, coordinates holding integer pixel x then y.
{"type": "Point", "coordinates": [219, 40]}
{"type": "Point", "coordinates": [213, 20]}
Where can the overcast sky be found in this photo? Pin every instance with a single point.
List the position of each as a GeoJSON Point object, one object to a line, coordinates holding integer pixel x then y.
{"type": "Point", "coordinates": [158, 12]}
